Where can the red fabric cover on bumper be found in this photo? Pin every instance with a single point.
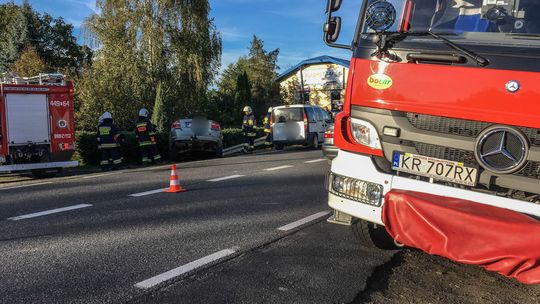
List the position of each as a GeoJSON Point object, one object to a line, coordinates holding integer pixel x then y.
{"type": "Point", "coordinates": [497, 239]}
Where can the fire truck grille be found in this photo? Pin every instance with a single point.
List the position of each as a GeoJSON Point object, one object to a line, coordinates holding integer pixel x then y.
{"type": "Point", "coordinates": [461, 127]}
{"type": "Point", "coordinates": [531, 170]}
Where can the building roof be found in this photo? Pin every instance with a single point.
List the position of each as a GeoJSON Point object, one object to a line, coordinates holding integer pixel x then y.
{"type": "Point", "coordinates": [316, 60]}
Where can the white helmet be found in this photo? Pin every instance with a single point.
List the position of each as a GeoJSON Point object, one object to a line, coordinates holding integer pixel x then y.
{"type": "Point", "coordinates": [248, 109]}
{"type": "Point", "coordinates": [144, 113]}
{"type": "Point", "coordinates": [270, 110]}
{"type": "Point", "coordinates": [105, 115]}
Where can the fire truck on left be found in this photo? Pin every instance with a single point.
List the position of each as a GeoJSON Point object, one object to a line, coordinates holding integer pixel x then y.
{"type": "Point", "coordinates": [37, 127]}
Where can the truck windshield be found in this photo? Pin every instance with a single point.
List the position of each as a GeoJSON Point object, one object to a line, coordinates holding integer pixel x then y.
{"type": "Point", "coordinates": [509, 22]}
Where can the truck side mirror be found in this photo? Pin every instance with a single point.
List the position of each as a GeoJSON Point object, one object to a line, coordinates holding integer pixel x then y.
{"type": "Point", "coordinates": [332, 29]}
{"type": "Point", "coordinates": [333, 5]}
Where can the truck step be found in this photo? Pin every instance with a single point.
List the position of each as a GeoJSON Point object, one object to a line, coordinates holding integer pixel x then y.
{"type": "Point", "coordinates": [340, 218]}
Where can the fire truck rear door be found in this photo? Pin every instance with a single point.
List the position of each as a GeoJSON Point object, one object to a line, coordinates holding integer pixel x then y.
{"type": "Point", "coordinates": [27, 119]}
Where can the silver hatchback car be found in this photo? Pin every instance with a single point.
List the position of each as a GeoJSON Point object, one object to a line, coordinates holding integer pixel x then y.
{"type": "Point", "coordinates": [195, 136]}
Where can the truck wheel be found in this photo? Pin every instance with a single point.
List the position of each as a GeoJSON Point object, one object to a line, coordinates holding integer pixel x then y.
{"type": "Point", "coordinates": [45, 173]}
{"type": "Point", "coordinates": [279, 147]}
{"type": "Point", "coordinates": [374, 236]}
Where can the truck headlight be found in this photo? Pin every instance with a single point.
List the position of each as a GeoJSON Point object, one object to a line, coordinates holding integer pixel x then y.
{"type": "Point", "coordinates": [355, 189]}
{"type": "Point", "coordinates": [365, 133]}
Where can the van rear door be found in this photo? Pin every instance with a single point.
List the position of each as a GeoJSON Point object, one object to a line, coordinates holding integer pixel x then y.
{"type": "Point", "coordinates": [289, 124]}
{"type": "Point", "coordinates": [27, 119]}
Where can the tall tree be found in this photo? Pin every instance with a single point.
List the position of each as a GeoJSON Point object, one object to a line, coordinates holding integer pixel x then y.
{"type": "Point", "coordinates": [52, 38]}
{"type": "Point", "coordinates": [12, 34]}
{"type": "Point", "coordinates": [170, 42]}
{"type": "Point", "coordinates": [260, 70]}
{"type": "Point", "coordinates": [29, 63]}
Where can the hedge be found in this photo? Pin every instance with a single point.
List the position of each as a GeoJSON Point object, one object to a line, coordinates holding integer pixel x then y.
{"type": "Point", "coordinates": [87, 152]}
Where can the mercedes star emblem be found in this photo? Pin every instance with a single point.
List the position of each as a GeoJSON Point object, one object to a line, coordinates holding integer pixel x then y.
{"type": "Point", "coordinates": [512, 86]}
{"type": "Point", "coordinates": [502, 150]}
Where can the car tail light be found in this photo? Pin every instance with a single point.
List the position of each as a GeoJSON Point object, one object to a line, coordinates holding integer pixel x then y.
{"type": "Point", "coordinates": [329, 134]}
{"type": "Point", "coordinates": [176, 125]}
{"type": "Point", "coordinates": [215, 126]}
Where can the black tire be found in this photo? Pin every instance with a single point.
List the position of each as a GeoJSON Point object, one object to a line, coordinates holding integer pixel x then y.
{"type": "Point", "coordinates": [45, 173]}
{"type": "Point", "coordinates": [219, 152]}
{"type": "Point", "coordinates": [315, 142]}
{"type": "Point", "coordinates": [173, 154]}
{"type": "Point", "coordinates": [279, 147]}
{"type": "Point", "coordinates": [371, 235]}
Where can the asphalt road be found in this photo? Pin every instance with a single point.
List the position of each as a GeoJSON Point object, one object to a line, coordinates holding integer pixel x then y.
{"type": "Point", "coordinates": [250, 229]}
{"type": "Point", "coordinates": [87, 239]}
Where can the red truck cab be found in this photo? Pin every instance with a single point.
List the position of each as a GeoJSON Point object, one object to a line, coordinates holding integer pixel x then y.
{"type": "Point", "coordinates": [442, 99]}
{"type": "Point", "coordinates": [37, 127]}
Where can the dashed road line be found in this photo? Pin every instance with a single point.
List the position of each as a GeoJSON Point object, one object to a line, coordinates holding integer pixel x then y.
{"type": "Point", "coordinates": [303, 221]}
{"type": "Point", "coordinates": [315, 161]}
{"type": "Point", "coordinates": [25, 186]}
{"type": "Point", "coordinates": [184, 269]}
{"type": "Point", "coordinates": [225, 178]}
{"type": "Point", "coordinates": [48, 212]}
{"type": "Point", "coordinates": [148, 192]}
{"type": "Point", "coordinates": [278, 168]}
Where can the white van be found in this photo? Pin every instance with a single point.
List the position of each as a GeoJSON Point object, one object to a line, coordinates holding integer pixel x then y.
{"type": "Point", "coordinates": [299, 125]}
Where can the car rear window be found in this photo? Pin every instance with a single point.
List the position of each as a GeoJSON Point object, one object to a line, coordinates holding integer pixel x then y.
{"type": "Point", "coordinates": [288, 114]}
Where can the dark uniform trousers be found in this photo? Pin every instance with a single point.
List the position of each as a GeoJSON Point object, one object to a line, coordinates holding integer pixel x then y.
{"type": "Point", "coordinates": [249, 132]}
{"type": "Point", "coordinates": [146, 135]}
{"type": "Point", "coordinates": [108, 146]}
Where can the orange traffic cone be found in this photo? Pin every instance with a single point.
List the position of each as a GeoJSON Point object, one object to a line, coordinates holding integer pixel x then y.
{"type": "Point", "coordinates": [175, 182]}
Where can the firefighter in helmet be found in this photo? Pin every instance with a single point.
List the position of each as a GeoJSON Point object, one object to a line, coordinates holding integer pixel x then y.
{"type": "Point", "coordinates": [248, 128]}
{"type": "Point", "coordinates": [108, 138]}
{"type": "Point", "coordinates": [268, 127]}
{"type": "Point", "coordinates": [146, 135]}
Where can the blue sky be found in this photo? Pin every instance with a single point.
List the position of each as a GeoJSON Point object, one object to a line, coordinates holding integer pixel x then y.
{"type": "Point", "coordinates": [293, 26]}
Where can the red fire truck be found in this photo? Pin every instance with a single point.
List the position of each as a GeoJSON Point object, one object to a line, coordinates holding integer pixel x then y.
{"type": "Point", "coordinates": [37, 128]}
{"type": "Point", "coordinates": [439, 136]}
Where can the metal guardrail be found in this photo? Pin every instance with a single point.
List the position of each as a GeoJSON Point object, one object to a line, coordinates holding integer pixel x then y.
{"type": "Point", "coordinates": [239, 148]}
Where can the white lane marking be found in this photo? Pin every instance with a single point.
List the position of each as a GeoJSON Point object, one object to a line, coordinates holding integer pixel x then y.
{"type": "Point", "coordinates": [48, 212]}
{"type": "Point", "coordinates": [225, 178]}
{"type": "Point", "coordinates": [99, 175]}
{"type": "Point", "coordinates": [315, 161]}
{"type": "Point", "coordinates": [303, 221]}
{"type": "Point", "coordinates": [184, 269]}
{"type": "Point", "coordinates": [25, 186]}
{"type": "Point", "coordinates": [148, 192]}
{"type": "Point", "coordinates": [278, 168]}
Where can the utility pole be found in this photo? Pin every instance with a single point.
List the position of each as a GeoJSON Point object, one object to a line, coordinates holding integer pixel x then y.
{"type": "Point", "coordinates": [302, 84]}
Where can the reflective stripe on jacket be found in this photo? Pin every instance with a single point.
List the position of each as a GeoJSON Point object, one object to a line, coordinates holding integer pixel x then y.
{"type": "Point", "coordinates": [107, 135]}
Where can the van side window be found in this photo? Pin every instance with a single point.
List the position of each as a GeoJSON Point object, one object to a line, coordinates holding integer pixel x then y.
{"type": "Point", "coordinates": [320, 114]}
{"type": "Point", "coordinates": [310, 114]}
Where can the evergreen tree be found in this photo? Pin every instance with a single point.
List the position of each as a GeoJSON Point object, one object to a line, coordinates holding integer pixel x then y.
{"type": "Point", "coordinates": [29, 63]}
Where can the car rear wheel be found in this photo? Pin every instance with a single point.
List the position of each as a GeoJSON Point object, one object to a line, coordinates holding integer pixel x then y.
{"type": "Point", "coordinates": [371, 235]}
{"type": "Point", "coordinates": [279, 146]}
{"type": "Point", "coordinates": [315, 142]}
{"type": "Point", "coordinates": [173, 154]}
{"type": "Point", "coordinates": [219, 152]}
